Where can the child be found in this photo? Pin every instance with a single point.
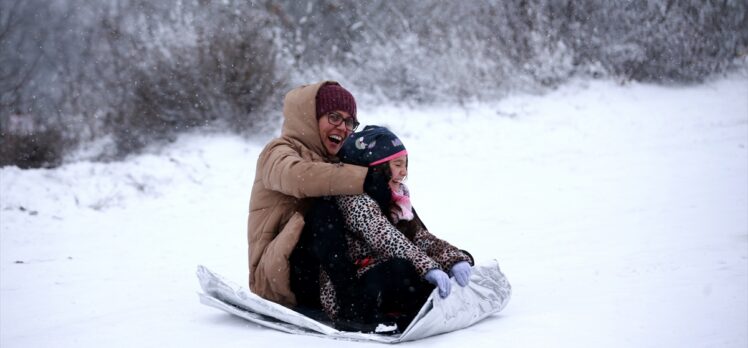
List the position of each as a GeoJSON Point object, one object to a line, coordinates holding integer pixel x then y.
{"type": "Point", "coordinates": [399, 261]}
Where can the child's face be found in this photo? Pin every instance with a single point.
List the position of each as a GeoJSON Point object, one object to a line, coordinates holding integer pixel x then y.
{"type": "Point", "coordinates": [399, 169]}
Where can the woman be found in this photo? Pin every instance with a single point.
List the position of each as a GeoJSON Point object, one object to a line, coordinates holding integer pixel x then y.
{"type": "Point", "coordinates": [399, 262]}
{"type": "Point", "coordinates": [292, 172]}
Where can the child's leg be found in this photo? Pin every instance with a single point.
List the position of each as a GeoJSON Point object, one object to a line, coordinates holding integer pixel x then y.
{"type": "Point", "coordinates": [399, 287]}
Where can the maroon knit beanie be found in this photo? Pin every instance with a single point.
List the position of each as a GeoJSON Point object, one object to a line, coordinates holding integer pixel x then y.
{"type": "Point", "coordinates": [332, 97]}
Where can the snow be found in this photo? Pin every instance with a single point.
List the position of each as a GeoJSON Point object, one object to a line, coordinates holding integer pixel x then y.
{"type": "Point", "coordinates": [618, 213]}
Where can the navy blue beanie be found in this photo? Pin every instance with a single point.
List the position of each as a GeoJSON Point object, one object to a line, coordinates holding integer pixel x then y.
{"type": "Point", "coordinates": [371, 146]}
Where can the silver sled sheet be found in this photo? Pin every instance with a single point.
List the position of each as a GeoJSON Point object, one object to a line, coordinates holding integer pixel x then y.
{"type": "Point", "coordinates": [487, 294]}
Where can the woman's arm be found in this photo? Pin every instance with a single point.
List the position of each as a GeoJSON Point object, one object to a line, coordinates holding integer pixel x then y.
{"type": "Point", "coordinates": [282, 168]}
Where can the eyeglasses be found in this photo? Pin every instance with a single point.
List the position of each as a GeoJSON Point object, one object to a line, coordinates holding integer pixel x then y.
{"type": "Point", "coordinates": [336, 119]}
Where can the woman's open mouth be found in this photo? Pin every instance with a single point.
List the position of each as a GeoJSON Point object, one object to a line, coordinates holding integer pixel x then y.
{"type": "Point", "coordinates": [336, 139]}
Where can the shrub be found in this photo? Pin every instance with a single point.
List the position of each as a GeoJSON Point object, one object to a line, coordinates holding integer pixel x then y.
{"type": "Point", "coordinates": [42, 149]}
{"type": "Point", "coordinates": [189, 71]}
{"type": "Point", "coordinates": [482, 49]}
{"type": "Point", "coordinates": [141, 72]}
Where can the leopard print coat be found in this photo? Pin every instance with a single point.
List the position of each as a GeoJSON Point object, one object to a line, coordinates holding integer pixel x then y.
{"type": "Point", "coordinates": [372, 239]}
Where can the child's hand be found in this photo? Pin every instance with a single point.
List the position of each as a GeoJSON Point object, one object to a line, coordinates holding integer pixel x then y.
{"type": "Point", "coordinates": [441, 280]}
{"type": "Point", "coordinates": [461, 271]}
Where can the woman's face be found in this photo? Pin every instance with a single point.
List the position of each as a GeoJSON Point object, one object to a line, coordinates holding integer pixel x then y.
{"type": "Point", "coordinates": [399, 170]}
{"type": "Point", "coordinates": [332, 136]}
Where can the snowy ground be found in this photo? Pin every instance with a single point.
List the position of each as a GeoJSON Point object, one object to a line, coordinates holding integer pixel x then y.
{"type": "Point", "coordinates": [619, 214]}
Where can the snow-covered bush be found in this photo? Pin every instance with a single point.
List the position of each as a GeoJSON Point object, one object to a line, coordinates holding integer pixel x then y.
{"type": "Point", "coordinates": [656, 40]}
{"type": "Point", "coordinates": [451, 51]}
{"type": "Point", "coordinates": [33, 150]}
{"type": "Point", "coordinates": [139, 71]}
{"type": "Point", "coordinates": [193, 71]}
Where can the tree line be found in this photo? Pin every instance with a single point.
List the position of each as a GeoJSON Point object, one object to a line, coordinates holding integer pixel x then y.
{"type": "Point", "coordinates": [131, 73]}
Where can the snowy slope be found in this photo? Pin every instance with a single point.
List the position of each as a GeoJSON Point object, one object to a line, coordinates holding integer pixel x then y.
{"type": "Point", "coordinates": [619, 214]}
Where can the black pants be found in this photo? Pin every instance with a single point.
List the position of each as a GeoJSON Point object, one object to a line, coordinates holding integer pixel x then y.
{"type": "Point", "coordinates": [397, 287]}
{"type": "Point", "coordinates": [322, 244]}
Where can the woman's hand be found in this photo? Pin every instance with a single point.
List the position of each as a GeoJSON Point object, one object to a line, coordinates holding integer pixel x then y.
{"type": "Point", "coordinates": [441, 280]}
{"type": "Point", "coordinates": [461, 271]}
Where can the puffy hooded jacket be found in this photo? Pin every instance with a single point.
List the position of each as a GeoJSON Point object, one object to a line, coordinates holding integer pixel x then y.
{"type": "Point", "coordinates": [289, 169]}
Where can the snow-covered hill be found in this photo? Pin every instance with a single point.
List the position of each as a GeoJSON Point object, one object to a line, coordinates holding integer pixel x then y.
{"type": "Point", "coordinates": [619, 214]}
